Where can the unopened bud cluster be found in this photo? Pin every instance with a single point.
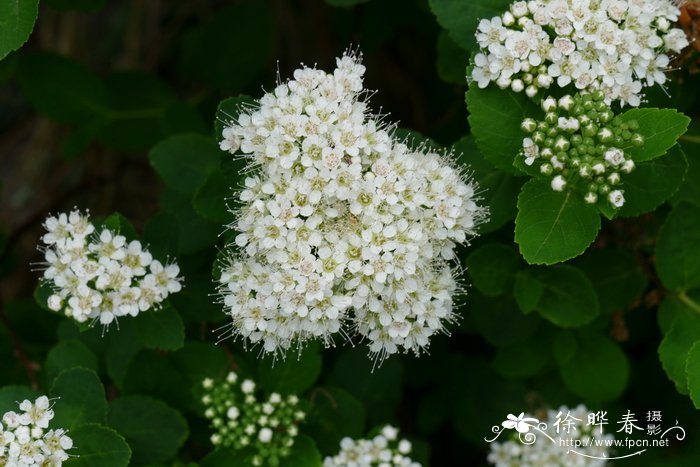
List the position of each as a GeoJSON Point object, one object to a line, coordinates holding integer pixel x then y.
{"type": "Point", "coordinates": [101, 276]}
{"type": "Point", "coordinates": [342, 228]}
{"type": "Point", "coordinates": [562, 429]}
{"type": "Point", "coordinates": [615, 46]}
{"type": "Point", "coordinates": [26, 440]}
{"type": "Point", "coordinates": [384, 450]}
{"type": "Point", "coordinates": [580, 142]}
{"type": "Point", "coordinates": [241, 421]}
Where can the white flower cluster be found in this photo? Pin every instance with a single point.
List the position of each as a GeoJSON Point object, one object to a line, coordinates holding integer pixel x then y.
{"type": "Point", "coordinates": [341, 223]}
{"type": "Point", "coordinates": [101, 276]}
{"type": "Point", "coordinates": [384, 450]}
{"type": "Point", "coordinates": [241, 422]}
{"type": "Point", "coordinates": [616, 46]}
{"type": "Point", "coordinates": [568, 425]}
{"type": "Point", "coordinates": [24, 440]}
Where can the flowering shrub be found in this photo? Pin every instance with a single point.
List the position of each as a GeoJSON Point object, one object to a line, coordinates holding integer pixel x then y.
{"type": "Point", "coordinates": [438, 218]}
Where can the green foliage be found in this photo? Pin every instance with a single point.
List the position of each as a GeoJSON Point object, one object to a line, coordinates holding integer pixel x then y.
{"type": "Point", "coordinates": [304, 453]}
{"type": "Point", "coordinates": [328, 405]}
{"type": "Point", "coordinates": [153, 430]}
{"type": "Point", "coordinates": [160, 329]}
{"type": "Point", "coordinates": [500, 189]}
{"type": "Point", "coordinates": [492, 268]}
{"type": "Point", "coordinates": [677, 251]}
{"type": "Point", "coordinates": [676, 344]}
{"type": "Point", "coordinates": [598, 371]}
{"type": "Point", "coordinates": [99, 445]}
{"type": "Point", "coordinates": [66, 355]}
{"type": "Point", "coordinates": [293, 374]}
{"type": "Point", "coordinates": [495, 116]}
{"type": "Point", "coordinates": [184, 162]}
{"type": "Point", "coordinates": [568, 298]}
{"type": "Point", "coordinates": [691, 368]}
{"type": "Point", "coordinates": [553, 226]}
{"type": "Point", "coordinates": [17, 19]}
{"type": "Point", "coordinates": [653, 182]}
{"type": "Point", "coordinates": [10, 396]}
{"type": "Point", "coordinates": [120, 107]}
{"type": "Point", "coordinates": [661, 129]}
{"type": "Point", "coordinates": [82, 398]}
{"type": "Point", "coordinates": [460, 18]}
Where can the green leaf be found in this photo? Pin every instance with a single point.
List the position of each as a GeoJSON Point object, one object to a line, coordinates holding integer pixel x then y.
{"type": "Point", "coordinates": [184, 162]}
{"type": "Point", "coordinates": [690, 189]}
{"type": "Point", "coordinates": [210, 198]}
{"type": "Point", "coordinates": [160, 329]}
{"type": "Point", "coordinates": [329, 405]}
{"type": "Point", "coordinates": [568, 297]}
{"type": "Point", "coordinates": [692, 370]}
{"type": "Point", "coordinates": [500, 189]}
{"type": "Point", "coordinates": [81, 399]}
{"type": "Point", "coordinates": [199, 360]}
{"type": "Point", "coordinates": [76, 5]}
{"type": "Point", "coordinates": [492, 268]}
{"type": "Point", "coordinates": [62, 89]}
{"type": "Point", "coordinates": [461, 18]}
{"type": "Point", "coordinates": [66, 355]}
{"type": "Point", "coordinates": [565, 347]}
{"type": "Point", "coordinates": [153, 374]}
{"type": "Point", "coordinates": [495, 116]}
{"type": "Point", "coordinates": [144, 110]}
{"type": "Point", "coordinates": [194, 232]}
{"type": "Point", "coordinates": [677, 342]}
{"type": "Point", "coordinates": [452, 60]}
{"type": "Point", "coordinates": [379, 388]}
{"type": "Point", "coordinates": [248, 46]}
{"type": "Point", "coordinates": [98, 446]}
{"type": "Point", "coordinates": [12, 396]}
{"type": "Point", "coordinates": [499, 321]}
{"type": "Point", "coordinates": [653, 182]}
{"type": "Point", "coordinates": [678, 248]}
{"type": "Point", "coordinates": [225, 457]}
{"type": "Point", "coordinates": [553, 226]}
{"type": "Point", "coordinates": [598, 372]}
{"type": "Point", "coordinates": [616, 276]}
{"type": "Point", "coordinates": [17, 19]}
{"type": "Point", "coordinates": [660, 128]}
{"type": "Point", "coordinates": [294, 374]}
{"type": "Point", "coordinates": [154, 431]}
{"type": "Point", "coordinates": [118, 223]}
{"type": "Point", "coordinates": [122, 347]}
{"type": "Point", "coordinates": [520, 361]}
{"type": "Point", "coordinates": [228, 111]}
{"type": "Point", "coordinates": [304, 453]}
{"type": "Point", "coordinates": [161, 234]}
{"type": "Point", "coordinates": [527, 291]}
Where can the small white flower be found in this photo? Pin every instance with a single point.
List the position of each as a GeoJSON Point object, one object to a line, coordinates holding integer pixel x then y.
{"type": "Point", "coordinates": [616, 198]}
{"type": "Point", "coordinates": [558, 183]}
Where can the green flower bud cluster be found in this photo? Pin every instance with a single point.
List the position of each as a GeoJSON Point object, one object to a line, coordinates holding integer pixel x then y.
{"type": "Point", "coordinates": [580, 139]}
{"type": "Point", "coordinates": [241, 421]}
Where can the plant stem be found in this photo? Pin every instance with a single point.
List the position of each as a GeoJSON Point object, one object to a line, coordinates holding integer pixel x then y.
{"type": "Point", "coordinates": [689, 302]}
{"type": "Point", "coordinates": [690, 138]}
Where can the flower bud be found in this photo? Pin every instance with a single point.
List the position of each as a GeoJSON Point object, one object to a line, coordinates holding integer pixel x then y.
{"type": "Point", "coordinates": [558, 183]}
